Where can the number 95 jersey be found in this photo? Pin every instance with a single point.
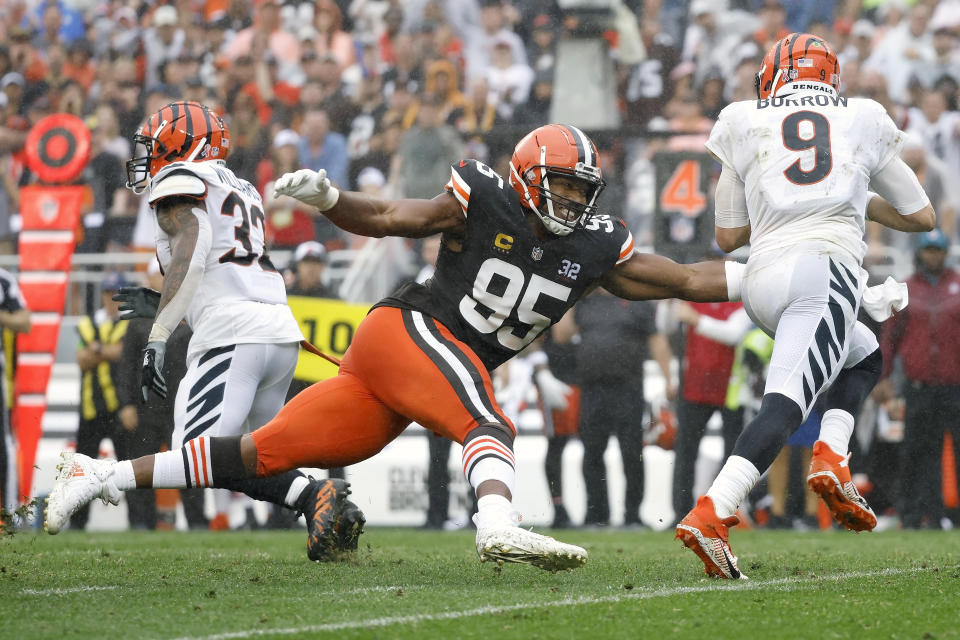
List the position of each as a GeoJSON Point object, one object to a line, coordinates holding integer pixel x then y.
{"type": "Point", "coordinates": [806, 157]}
{"type": "Point", "coordinates": [242, 298]}
{"type": "Point", "coordinates": [503, 286]}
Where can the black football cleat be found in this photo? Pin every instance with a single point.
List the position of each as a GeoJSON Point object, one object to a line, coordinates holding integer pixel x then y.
{"type": "Point", "coordinates": [323, 506]}
{"type": "Point", "coordinates": [349, 527]}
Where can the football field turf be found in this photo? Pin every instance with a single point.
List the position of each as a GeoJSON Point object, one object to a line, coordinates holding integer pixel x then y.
{"type": "Point", "coordinates": [405, 583]}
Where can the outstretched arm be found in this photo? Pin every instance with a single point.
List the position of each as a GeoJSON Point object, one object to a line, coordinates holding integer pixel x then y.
{"type": "Point", "coordinates": [647, 276]}
{"type": "Point", "coordinates": [370, 216]}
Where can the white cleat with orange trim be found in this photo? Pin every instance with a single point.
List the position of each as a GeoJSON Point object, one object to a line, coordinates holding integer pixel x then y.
{"type": "Point", "coordinates": [515, 544]}
{"type": "Point", "coordinates": [80, 479]}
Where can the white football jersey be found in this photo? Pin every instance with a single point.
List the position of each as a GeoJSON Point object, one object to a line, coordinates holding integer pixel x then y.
{"type": "Point", "coordinates": [242, 298]}
{"type": "Point", "coordinates": [806, 158]}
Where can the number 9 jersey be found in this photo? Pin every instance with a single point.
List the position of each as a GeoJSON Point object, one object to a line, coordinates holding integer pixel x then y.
{"type": "Point", "coordinates": [242, 298]}
{"type": "Point", "coordinates": [806, 157]}
{"type": "Point", "coordinates": [499, 286]}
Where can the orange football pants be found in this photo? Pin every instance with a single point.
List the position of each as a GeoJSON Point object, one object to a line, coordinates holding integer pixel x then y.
{"type": "Point", "coordinates": [402, 367]}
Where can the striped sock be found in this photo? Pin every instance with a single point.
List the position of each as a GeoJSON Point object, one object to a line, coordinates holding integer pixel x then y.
{"type": "Point", "coordinates": [184, 468]}
{"type": "Point", "coordinates": [488, 455]}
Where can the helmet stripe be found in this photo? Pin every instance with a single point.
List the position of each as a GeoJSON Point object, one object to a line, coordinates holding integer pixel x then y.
{"type": "Point", "coordinates": [584, 147]}
{"type": "Point", "coordinates": [188, 130]}
{"type": "Point", "coordinates": [793, 41]}
{"type": "Point", "coordinates": [576, 141]}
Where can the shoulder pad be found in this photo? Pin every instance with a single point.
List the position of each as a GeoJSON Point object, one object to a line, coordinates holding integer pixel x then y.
{"type": "Point", "coordinates": [176, 180]}
{"type": "Point", "coordinates": [468, 175]}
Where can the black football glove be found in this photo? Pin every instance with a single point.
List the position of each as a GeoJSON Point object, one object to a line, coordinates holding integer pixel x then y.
{"type": "Point", "coordinates": [137, 302]}
{"type": "Point", "coordinates": [151, 372]}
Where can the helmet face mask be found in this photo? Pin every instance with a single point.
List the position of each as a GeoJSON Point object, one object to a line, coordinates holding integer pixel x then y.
{"type": "Point", "coordinates": [564, 157]}
{"type": "Point", "coordinates": [179, 132]}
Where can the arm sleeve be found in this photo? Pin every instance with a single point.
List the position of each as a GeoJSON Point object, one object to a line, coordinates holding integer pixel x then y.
{"type": "Point", "coordinates": [170, 316]}
{"type": "Point", "coordinates": [730, 203]}
{"type": "Point", "coordinates": [720, 143]}
{"type": "Point", "coordinates": [884, 134]}
{"type": "Point", "coordinates": [730, 331]}
{"type": "Point", "coordinates": [897, 184]}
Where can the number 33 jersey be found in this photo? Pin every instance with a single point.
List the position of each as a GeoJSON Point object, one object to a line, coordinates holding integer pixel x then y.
{"type": "Point", "coordinates": [241, 298]}
{"type": "Point", "coordinates": [806, 157]}
{"type": "Point", "coordinates": [499, 286]}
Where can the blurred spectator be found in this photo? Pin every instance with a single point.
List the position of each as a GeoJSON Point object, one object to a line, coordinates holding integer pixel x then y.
{"type": "Point", "coordinates": [148, 426]}
{"type": "Point", "coordinates": [509, 79]}
{"type": "Point", "coordinates": [98, 356]}
{"type": "Point", "coordinates": [58, 21]}
{"type": "Point", "coordinates": [266, 33]}
{"type": "Point", "coordinates": [537, 109]}
{"type": "Point", "coordinates": [331, 38]}
{"type": "Point", "coordinates": [939, 128]}
{"type": "Point", "coordinates": [324, 90]}
{"type": "Point", "coordinates": [321, 148]}
{"type": "Point", "coordinates": [288, 225]}
{"type": "Point", "coordinates": [426, 152]}
{"type": "Point", "coordinates": [366, 122]}
{"type": "Point", "coordinates": [406, 69]}
{"type": "Point", "coordinates": [14, 318]}
{"type": "Point", "coordinates": [902, 51]}
{"type": "Point", "coordinates": [713, 330]}
{"type": "Point", "coordinates": [926, 338]}
{"type": "Point", "coordinates": [492, 31]}
{"type": "Point", "coordinates": [706, 41]}
{"type": "Point", "coordinates": [443, 82]}
{"type": "Point", "coordinates": [946, 59]}
{"type": "Point", "coordinates": [773, 26]}
{"type": "Point", "coordinates": [105, 217]}
{"type": "Point", "coordinates": [79, 66]}
{"type": "Point", "coordinates": [481, 112]}
{"type": "Point", "coordinates": [163, 42]}
{"type": "Point", "coordinates": [542, 46]}
{"type": "Point", "coordinates": [648, 84]}
{"type": "Point", "coordinates": [616, 337]}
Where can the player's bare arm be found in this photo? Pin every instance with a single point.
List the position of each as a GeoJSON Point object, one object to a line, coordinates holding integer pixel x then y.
{"type": "Point", "coordinates": [17, 321]}
{"type": "Point", "coordinates": [879, 210]}
{"type": "Point", "coordinates": [370, 216]}
{"type": "Point", "coordinates": [176, 218]}
{"type": "Point", "coordinates": [647, 276]}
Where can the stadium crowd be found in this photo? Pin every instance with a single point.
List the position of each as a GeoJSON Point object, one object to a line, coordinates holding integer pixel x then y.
{"type": "Point", "coordinates": [385, 94]}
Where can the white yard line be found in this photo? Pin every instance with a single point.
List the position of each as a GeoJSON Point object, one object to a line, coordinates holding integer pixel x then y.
{"type": "Point", "coordinates": [65, 590]}
{"type": "Point", "coordinates": [779, 584]}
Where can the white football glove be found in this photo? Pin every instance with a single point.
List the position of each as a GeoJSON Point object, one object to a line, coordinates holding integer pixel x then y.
{"type": "Point", "coordinates": [308, 186]}
{"type": "Point", "coordinates": [553, 392]}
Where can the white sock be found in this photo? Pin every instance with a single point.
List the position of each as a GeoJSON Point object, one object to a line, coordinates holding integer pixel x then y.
{"type": "Point", "coordinates": [494, 512]}
{"type": "Point", "coordinates": [732, 485]}
{"type": "Point", "coordinates": [168, 471]}
{"type": "Point", "coordinates": [296, 488]}
{"type": "Point", "coordinates": [123, 477]}
{"type": "Point", "coordinates": [836, 428]}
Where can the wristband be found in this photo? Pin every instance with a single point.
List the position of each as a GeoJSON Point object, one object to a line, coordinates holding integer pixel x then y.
{"type": "Point", "coordinates": [734, 271]}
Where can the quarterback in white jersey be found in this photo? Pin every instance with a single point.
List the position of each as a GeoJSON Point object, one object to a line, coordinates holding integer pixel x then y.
{"type": "Point", "coordinates": [245, 343]}
{"type": "Point", "coordinates": [798, 164]}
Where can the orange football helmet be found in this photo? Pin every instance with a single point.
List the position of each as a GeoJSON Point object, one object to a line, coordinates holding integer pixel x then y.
{"type": "Point", "coordinates": [799, 56]}
{"type": "Point", "coordinates": [556, 150]}
{"type": "Point", "coordinates": [179, 132]}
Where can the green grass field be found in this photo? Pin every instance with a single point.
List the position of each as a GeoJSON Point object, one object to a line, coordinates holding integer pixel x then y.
{"type": "Point", "coordinates": [415, 584]}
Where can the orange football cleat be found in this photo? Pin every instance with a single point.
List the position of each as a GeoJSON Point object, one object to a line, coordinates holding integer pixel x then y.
{"type": "Point", "coordinates": [829, 477]}
{"type": "Point", "coordinates": [706, 534]}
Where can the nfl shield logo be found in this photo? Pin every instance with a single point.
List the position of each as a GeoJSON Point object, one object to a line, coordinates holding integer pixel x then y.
{"type": "Point", "coordinates": [537, 253]}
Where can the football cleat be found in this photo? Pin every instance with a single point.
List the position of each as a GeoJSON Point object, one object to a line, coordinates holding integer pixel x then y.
{"type": "Point", "coordinates": [514, 544]}
{"type": "Point", "coordinates": [829, 477]}
{"type": "Point", "coordinates": [348, 527]}
{"type": "Point", "coordinates": [323, 505]}
{"type": "Point", "coordinates": [80, 479]}
{"type": "Point", "coordinates": [706, 534]}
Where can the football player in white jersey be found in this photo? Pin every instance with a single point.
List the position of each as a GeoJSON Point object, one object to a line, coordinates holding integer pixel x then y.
{"type": "Point", "coordinates": [797, 166]}
{"type": "Point", "coordinates": [219, 278]}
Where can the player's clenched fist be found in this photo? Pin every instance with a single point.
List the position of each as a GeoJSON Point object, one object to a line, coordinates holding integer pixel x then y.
{"type": "Point", "coordinates": [306, 185]}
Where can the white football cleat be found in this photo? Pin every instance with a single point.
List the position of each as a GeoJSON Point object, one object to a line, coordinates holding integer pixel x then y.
{"type": "Point", "coordinates": [80, 479]}
{"type": "Point", "coordinates": [514, 544]}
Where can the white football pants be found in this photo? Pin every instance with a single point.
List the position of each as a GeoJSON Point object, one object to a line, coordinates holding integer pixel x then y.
{"type": "Point", "coordinates": [808, 302]}
{"type": "Point", "coordinates": [229, 391]}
